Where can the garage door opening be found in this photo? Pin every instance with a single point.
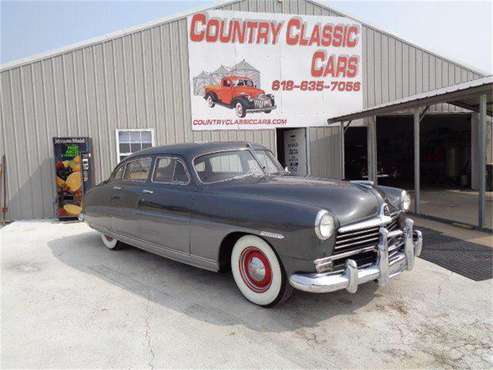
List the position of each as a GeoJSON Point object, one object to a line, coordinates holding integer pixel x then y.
{"type": "Point", "coordinates": [445, 142]}
{"type": "Point", "coordinates": [355, 153]}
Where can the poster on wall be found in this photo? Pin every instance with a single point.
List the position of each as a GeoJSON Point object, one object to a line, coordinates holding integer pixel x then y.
{"type": "Point", "coordinates": [264, 70]}
{"type": "Point", "coordinates": [72, 174]}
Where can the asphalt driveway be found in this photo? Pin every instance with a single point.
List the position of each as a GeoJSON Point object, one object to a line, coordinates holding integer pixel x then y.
{"type": "Point", "coordinates": [68, 302]}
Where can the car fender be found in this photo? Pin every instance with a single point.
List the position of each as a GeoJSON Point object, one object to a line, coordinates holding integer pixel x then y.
{"type": "Point", "coordinates": [287, 226]}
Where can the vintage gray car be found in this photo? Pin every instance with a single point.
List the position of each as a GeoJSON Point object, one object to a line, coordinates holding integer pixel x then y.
{"type": "Point", "coordinates": [222, 206]}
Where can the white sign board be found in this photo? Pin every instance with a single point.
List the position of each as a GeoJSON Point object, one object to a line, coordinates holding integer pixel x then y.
{"type": "Point", "coordinates": [263, 70]}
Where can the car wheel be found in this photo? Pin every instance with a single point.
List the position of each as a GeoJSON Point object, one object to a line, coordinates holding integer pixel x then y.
{"type": "Point", "coordinates": [258, 273]}
{"type": "Point", "coordinates": [210, 101]}
{"type": "Point", "coordinates": [240, 109]}
{"type": "Point", "coordinates": [110, 242]}
{"type": "Point", "coordinates": [267, 111]}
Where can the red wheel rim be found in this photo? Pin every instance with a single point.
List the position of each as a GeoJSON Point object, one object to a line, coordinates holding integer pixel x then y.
{"type": "Point", "coordinates": [255, 269]}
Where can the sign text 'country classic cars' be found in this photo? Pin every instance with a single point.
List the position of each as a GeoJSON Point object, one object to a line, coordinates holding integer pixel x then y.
{"type": "Point", "coordinates": [272, 70]}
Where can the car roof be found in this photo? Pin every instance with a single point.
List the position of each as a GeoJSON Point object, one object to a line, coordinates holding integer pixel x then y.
{"type": "Point", "coordinates": [237, 78]}
{"type": "Point", "coordinates": [191, 150]}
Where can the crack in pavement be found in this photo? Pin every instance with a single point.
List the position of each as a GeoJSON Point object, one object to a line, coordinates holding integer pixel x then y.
{"type": "Point", "coordinates": [147, 333]}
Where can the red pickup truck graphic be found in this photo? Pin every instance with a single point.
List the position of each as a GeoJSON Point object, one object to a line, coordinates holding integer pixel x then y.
{"type": "Point", "coordinates": [241, 94]}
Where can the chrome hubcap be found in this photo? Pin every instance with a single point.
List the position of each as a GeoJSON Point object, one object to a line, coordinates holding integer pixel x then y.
{"type": "Point", "coordinates": [256, 269]}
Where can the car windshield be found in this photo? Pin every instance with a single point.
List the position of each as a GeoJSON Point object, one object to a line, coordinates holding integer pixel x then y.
{"type": "Point", "coordinates": [228, 165]}
{"type": "Point", "coordinates": [248, 83]}
{"type": "Point", "coordinates": [270, 164]}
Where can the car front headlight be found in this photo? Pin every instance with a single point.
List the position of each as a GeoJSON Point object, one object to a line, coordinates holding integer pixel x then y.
{"type": "Point", "coordinates": [324, 225]}
{"type": "Point", "coordinates": [405, 201]}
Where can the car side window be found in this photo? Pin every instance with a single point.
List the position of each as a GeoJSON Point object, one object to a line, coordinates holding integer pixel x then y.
{"type": "Point", "coordinates": [170, 170]}
{"type": "Point", "coordinates": [138, 169]}
{"type": "Point", "coordinates": [226, 163]}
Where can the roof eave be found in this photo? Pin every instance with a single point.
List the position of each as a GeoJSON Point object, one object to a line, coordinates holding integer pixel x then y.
{"type": "Point", "coordinates": [449, 95]}
{"type": "Point", "coordinates": [110, 36]}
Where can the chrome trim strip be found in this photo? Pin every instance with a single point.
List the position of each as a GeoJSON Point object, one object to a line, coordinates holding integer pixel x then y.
{"type": "Point", "coordinates": [339, 256]}
{"type": "Point", "coordinates": [370, 235]}
{"type": "Point", "coordinates": [370, 239]}
{"type": "Point", "coordinates": [271, 235]}
{"type": "Point", "coordinates": [383, 257]}
{"type": "Point", "coordinates": [363, 182]}
{"type": "Point", "coordinates": [252, 110]}
{"type": "Point", "coordinates": [409, 243]}
{"type": "Point", "coordinates": [369, 230]}
{"type": "Point", "coordinates": [377, 221]}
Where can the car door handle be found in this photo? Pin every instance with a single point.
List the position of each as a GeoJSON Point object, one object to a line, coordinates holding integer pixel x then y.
{"type": "Point", "coordinates": [117, 188]}
{"type": "Point", "coordinates": [147, 191]}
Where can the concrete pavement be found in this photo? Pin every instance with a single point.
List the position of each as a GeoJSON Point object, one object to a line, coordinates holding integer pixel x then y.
{"type": "Point", "coordinates": [69, 302]}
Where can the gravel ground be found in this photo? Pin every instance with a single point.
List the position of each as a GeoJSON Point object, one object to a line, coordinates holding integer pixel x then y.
{"type": "Point", "coordinates": [68, 302]}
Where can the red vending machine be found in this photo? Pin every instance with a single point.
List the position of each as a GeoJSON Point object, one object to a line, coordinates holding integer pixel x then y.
{"type": "Point", "coordinates": [73, 168]}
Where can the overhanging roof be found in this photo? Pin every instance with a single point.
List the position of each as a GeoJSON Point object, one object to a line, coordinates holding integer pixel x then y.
{"type": "Point", "coordinates": [464, 95]}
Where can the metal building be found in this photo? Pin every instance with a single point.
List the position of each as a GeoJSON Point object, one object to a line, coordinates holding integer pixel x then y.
{"type": "Point", "coordinates": [139, 79]}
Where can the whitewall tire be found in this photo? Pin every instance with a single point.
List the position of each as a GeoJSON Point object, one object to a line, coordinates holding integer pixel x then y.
{"type": "Point", "coordinates": [109, 242]}
{"type": "Point", "coordinates": [258, 272]}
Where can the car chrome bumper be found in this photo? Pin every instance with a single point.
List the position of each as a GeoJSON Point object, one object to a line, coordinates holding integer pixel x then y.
{"type": "Point", "coordinates": [251, 110]}
{"type": "Point", "coordinates": [383, 270]}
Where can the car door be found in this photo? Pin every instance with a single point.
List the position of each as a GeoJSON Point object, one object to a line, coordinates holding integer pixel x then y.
{"type": "Point", "coordinates": [226, 92]}
{"type": "Point", "coordinates": [106, 194]}
{"type": "Point", "coordinates": [126, 195]}
{"type": "Point", "coordinates": [165, 205]}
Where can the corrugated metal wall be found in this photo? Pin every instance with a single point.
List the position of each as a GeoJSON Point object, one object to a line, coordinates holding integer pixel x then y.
{"type": "Point", "coordinates": [141, 80]}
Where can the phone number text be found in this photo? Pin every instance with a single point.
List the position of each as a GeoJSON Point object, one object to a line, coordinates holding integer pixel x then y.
{"type": "Point", "coordinates": [289, 85]}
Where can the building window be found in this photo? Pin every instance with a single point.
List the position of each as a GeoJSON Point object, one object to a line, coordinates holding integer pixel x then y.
{"type": "Point", "coordinates": [132, 140]}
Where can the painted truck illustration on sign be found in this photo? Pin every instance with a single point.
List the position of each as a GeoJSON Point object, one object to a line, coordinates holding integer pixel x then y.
{"type": "Point", "coordinates": [241, 94]}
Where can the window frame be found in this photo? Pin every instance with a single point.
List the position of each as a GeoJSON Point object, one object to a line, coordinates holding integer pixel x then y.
{"type": "Point", "coordinates": [122, 165]}
{"type": "Point", "coordinates": [178, 159]}
{"type": "Point", "coordinates": [127, 162]}
{"type": "Point", "coordinates": [117, 136]}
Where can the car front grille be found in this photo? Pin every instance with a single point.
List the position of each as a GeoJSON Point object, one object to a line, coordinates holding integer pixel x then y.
{"type": "Point", "coordinates": [361, 238]}
{"type": "Point", "coordinates": [360, 245]}
{"type": "Point", "coordinates": [262, 101]}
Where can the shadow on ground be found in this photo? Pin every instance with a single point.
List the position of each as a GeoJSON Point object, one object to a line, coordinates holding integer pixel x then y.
{"type": "Point", "coordinates": [203, 295]}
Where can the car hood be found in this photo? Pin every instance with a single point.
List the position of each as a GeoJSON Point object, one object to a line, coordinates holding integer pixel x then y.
{"type": "Point", "coordinates": [348, 202]}
{"type": "Point", "coordinates": [252, 91]}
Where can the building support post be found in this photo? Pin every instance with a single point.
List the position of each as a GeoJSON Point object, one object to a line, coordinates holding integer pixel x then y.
{"type": "Point", "coordinates": [308, 152]}
{"type": "Point", "coordinates": [343, 175]}
{"type": "Point", "coordinates": [481, 170]}
{"type": "Point", "coordinates": [417, 163]}
{"type": "Point", "coordinates": [372, 149]}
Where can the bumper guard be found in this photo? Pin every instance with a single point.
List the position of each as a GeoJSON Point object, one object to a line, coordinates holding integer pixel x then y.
{"type": "Point", "coordinates": [402, 258]}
